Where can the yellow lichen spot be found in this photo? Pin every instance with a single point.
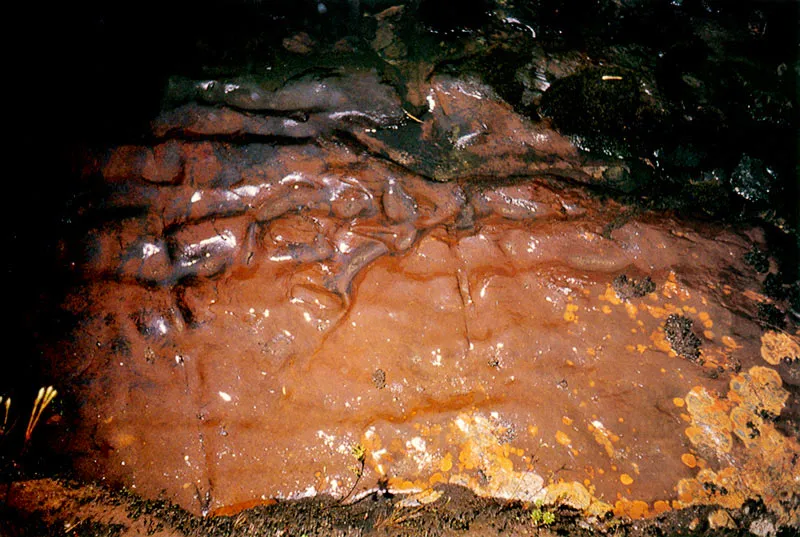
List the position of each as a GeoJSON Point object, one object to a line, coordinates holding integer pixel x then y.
{"type": "Point", "coordinates": [679, 402]}
{"type": "Point", "coordinates": [727, 289]}
{"type": "Point", "coordinates": [603, 436]}
{"type": "Point", "coordinates": [689, 460]}
{"type": "Point", "coordinates": [631, 310]}
{"type": "Point", "coordinates": [625, 479]}
{"type": "Point", "coordinates": [670, 287]}
{"type": "Point", "coordinates": [611, 296]}
{"type": "Point", "coordinates": [592, 384]}
{"type": "Point", "coordinates": [708, 334]}
{"type": "Point", "coordinates": [641, 348]}
{"type": "Point", "coordinates": [533, 430]}
{"type": "Point", "coordinates": [755, 297]}
{"type": "Point", "coordinates": [566, 421]}
{"type": "Point", "coordinates": [569, 314]}
{"type": "Point", "coordinates": [446, 463]}
{"type": "Point", "coordinates": [660, 341]}
{"type": "Point", "coordinates": [730, 343]}
{"type": "Point", "coordinates": [562, 438]}
{"type": "Point", "coordinates": [606, 309]}
{"type": "Point", "coordinates": [777, 345]}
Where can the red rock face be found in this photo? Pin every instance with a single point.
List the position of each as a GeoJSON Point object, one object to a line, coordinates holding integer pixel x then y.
{"type": "Point", "coordinates": [262, 318]}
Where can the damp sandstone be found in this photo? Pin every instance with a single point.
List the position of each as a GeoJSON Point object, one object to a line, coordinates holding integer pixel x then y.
{"type": "Point", "coordinates": [263, 304]}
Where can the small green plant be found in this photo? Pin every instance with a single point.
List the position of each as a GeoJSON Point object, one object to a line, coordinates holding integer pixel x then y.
{"type": "Point", "coordinates": [540, 516]}
{"type": "Point", "coordinates": [359, 453]}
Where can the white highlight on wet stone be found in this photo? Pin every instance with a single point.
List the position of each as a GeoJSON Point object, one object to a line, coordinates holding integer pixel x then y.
{"type": "Point", "coordinates": [280, 258]}
{"type": "Point", "coordinates": [462, 142]}
{"type": "Point", "coordinates": [225, 397]}
{"type": "Point", "coordinates": [431, 103]}
{"type": "Point", "coordinates": [149, 249]}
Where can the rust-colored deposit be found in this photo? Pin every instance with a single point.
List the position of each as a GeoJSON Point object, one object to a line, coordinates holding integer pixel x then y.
{"type": "Point", "coordinates": [265, 321]}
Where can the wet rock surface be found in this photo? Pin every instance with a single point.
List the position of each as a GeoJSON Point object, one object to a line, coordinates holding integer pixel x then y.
{"type": "Point", "coordinates": [250, 315]}
{"type": "Point", "coordinates": [414, 274]}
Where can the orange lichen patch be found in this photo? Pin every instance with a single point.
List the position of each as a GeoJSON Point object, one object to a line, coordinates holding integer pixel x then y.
{"type": "Point", "coordinates": [632, 509]}
{"type": "Point", "coordinates": [402, 485]}
{"type": "Point", "coordinates": [777, 345]}
{"type": "Point", "coordinates": [670, 288]}
{"type": "Point", "coordinates": [606, 309]}
{"type": "Point", "coordinates": [708, 334]}
{"type": "Point", "coordinates": [661, 506]}
{"type": "Point", "coordinates": [562, 438]}
{"type": "Point", "coordinates": [678, 402]}
{"type": "Point", "coordinates": [631, 310]}
{"type": "Point", "coordinates": [604, 437]}
{"type": "Point", "coordinates": [625, 479]}
{"type": "Point", "coordinates": [659, 312]}
{"type": "Point", "coordinates": [660, 341]}
{"type": "Point", "coordinates": [566, 420]}
{"type": "Point", "coordinates": [767, 463]}
{"type": "Point", "coordinates": [611, 296]}
{"type": "Point", "coordinates": [705, 318]}
{"type": "Point", "coordinates": [759, 390]}
{"type": "Point", "coordinates": [569, 314]}
{"type": "Point", "coordinates": [711, 425]}
{"type": "Point", "coordinates": [730, 343]}
{"type": "Point", "coordinates": [689, 460]}
{"type": "Point", "coordinates": [755, 297]}
{"type": "Point", "coordinates": [438, 477]}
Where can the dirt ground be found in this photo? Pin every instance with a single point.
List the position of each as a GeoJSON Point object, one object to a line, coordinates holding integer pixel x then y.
{"type": "Point", "coordinates": [49, 507]}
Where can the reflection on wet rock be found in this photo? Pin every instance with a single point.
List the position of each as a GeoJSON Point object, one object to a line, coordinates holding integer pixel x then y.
{"type": "Point", "coordinates": [302, 108]}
